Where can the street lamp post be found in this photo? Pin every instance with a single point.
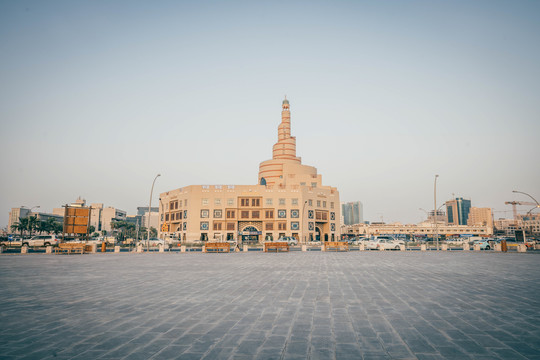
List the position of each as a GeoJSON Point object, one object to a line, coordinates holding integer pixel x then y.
{"type": "Point", "coordinates": [435, 211]}
{"type": "Point", "coordinates": [149, 212]}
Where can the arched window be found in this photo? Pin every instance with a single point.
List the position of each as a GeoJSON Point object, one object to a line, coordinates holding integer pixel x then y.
{"type": "Point", "coordinates": [263, 181]}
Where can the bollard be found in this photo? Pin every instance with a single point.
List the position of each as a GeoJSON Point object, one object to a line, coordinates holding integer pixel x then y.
{"type": "Point", "coordinates": [476, 247]}
{"type": "Point", "coordinates": [522, 248]}
{"type": "Point", "coordinates": [466, 246]}
{"type": "Point", "coordinates": [139, 248]}
{"type": "Point", "coordinates": [304, 247]}
{"type": "Point", "coordinates": [204, 248]}
{"type": "Point", "coordinates": [362, 247]}
{"type": "Point", "coordinates": [24, 249]}
{"type": "Point", "coordinates": [498, 247]}
{"type": "Point", "coordinates": [444, 247]}
{"type": "Point", "coordinates": [161, 248]}
{"type": "Point", "coordinates": [323, 247]}
{"type": "Point", "coordinates": [401, 247]}
{"type": "Point", "coordinates": [245, 247]}
{"type": "Point", "coordinates": [183, 248]}
{"type": "Point", "coordinates": [48, 250]}
{"type": "Point", "coordinates": [117, 249]}
{"type": "Point", "coordinates": [423, 247]}
{"type": "Point", "coordinates": [103, 246]}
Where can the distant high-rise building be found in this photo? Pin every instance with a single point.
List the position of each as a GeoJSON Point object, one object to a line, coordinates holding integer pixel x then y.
{"type": "Point", "coordinates": [457, 211]}
{"type": "Point", "coordinates": [480, 217]}
{"type": "Point", "coordinates": [352, 212]}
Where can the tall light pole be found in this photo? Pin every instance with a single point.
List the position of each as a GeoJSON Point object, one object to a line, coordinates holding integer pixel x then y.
{"type": "Point", "coordinates": [149, 212]}
{"type": "Point", "coordinates": [435, 211]}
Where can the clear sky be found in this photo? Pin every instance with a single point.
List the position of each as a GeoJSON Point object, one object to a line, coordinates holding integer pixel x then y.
{"type": "Point", "coordinates": [97, 97]}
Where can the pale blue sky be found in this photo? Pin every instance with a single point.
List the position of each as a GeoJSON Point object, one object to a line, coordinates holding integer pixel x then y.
{"type": "Point", "coordinates": [96, 97]}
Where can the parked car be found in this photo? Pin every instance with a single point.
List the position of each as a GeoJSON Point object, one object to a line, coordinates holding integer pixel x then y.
{"type": "Point", "coordinates": [383, 242]}
{"type": "Point", "coordinates": [361, 240]}
{"type": "Point", "coordinates": [152, 242]}
{"type": "Point", "coordinates": [42, 240]}
{"type": "Point", "coordinates": [288, 239]}
{"type": "Point", "coordinates": [484, 244]}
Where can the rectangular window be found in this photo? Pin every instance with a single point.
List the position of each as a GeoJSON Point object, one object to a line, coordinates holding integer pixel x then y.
{"type": "Point", "coordinates": [230, 202]}
{"type": "Point", "coordinates": [269, 202]}
{"type": "Point", "coordinates": [281, 201]}
{"type": "Point", "coordinates": [166, 217]}
{"type": "Point", "coordinates": [282, 226]}
{"type": "Point", "coordinates": [314, 184]}
{"type": "Point", "coordinates": [230, 226]}
{"type": "Point", "coordinates": [324, 204]}
{"type": "Point", "coordinates": [205, 213]}
{"type": "Point", "coordinates": [318, 203]}
{"type": "Point", "coordinates": [295, 201]}
{"type": "Point", "coordinates": [331, 204]}
{"type": "Point", "coordinates": [180, 203]}
{"type": "Point", "coordinates": [269, 214]}
{"type": "Point", "coordinates": [217, 225]}
{"type": "Point", "coordinates": [255, 202]}
{"type": "Point", "coordinates": [218, 213]}
{"type": "Point", "coordinates": [269, 226]}
{"type": "Point", "coordinates": [205, 201]}
{"type": "Point", "coordinates": [185, 202]}
{"type": "Point", "coordinates": [217, 202]}
{"type": "Point", "coordinates": [231, 214]}
{"type": "Point", "coordinates": [310, 202]}
{"type": "Point", "coordinates": [244, 214]}
{"type": "Point", "coordinates": [255, 214]}
{"type": "Point", "coordinates": [244, 202]}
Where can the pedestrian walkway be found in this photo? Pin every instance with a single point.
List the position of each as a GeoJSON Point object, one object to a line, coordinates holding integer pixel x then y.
{"type": "Point", "coordinates": [297, 305]}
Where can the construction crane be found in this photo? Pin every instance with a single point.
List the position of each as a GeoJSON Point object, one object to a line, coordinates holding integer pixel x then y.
{"type": "Point", "coordinates": [514, 203]}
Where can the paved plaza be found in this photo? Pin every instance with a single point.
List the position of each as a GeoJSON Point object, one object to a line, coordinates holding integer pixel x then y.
{"type": "Point", "coordinates": [314, 305]}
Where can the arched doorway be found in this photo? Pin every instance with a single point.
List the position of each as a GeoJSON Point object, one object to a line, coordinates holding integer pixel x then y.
{"type": "Point", "coordinates": [250, 235]}
{"type": "Point", "coordinates": [317, 233]}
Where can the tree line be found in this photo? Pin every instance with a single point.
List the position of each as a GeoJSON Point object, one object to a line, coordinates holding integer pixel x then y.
{"type": "Point", "coordinates": [32, 224]}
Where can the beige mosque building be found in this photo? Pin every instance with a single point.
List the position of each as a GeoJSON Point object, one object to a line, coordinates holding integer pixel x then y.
{"type": "Point", "coordinates": [289, 200]}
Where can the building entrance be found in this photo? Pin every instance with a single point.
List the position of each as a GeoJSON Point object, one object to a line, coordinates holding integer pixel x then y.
{"type": "Point", "coordinates": [250, 235]}
{"type": "Point", "coordinates": [317, 233]}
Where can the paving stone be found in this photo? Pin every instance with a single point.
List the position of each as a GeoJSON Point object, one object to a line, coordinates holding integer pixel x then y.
{"type": "Point", "coordinates": [298, 305]}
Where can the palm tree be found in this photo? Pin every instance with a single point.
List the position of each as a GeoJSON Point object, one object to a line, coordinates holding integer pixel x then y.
{"type": "Point", "coordinates": [21, 225]}
{"type": "Point", "coordinates": [42, 227]}
{"type": "Point", "coordinates": [32, 224]}
{"type": "Point", "coordinates": [51, 225]}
